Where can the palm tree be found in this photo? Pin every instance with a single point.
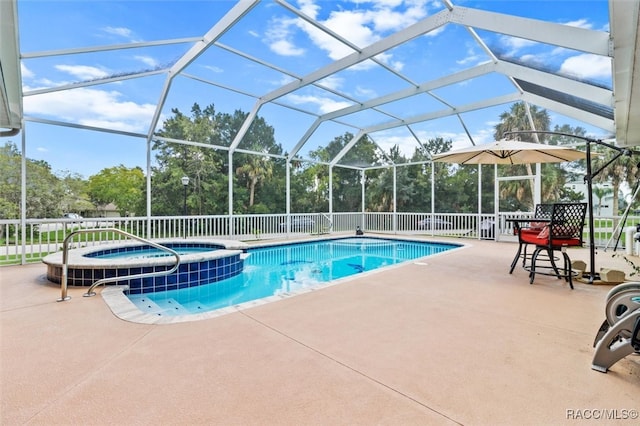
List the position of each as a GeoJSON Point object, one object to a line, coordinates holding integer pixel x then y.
{"type": "Point", "coordinates": [624, 169]}
{"type": "Point", "coordinates": [553, 180]}
{"type": "Point", "coordinates": [256, 169]}
{"type": "Point", "coordinates": [601, 192]}
{"type": "Point", "coordinates": [518, 119]}
{"type": "Point", "coordinates": [514, 196]}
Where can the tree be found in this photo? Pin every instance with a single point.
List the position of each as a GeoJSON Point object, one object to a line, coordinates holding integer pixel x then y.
{"type": "Point", "coordinates": [207, 167]}
{"type": "Point", "coordinates": [442, 175]}
{"type": "Point", "coordinates": [10, 181]}
{"type": "Point", "coordinates": [255, 170]}
{"type": "Point", "coordinates": [309, 187]}
{"type": "Point", "coordinates": [381, 190]}
{"type": "Point", "coordinates": [601, 192]}
{"type": "Point", "coordinates": [346, 181]}
{"type": "Point", "coordinates": [44, 189]}
{"type": "Point", "coordinates": [119, 185]}
{"type": "Point", "coordinates": [518, 119]}
{"type": "Point", "coordinates": [514, 194]}
{"type": "Point", "coordinates": [76, 197]}
{"type": "Point", "coordinates": [623, 169]}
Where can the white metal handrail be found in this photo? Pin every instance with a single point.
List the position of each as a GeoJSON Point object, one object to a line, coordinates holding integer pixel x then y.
{"type": "Point", "coordinates": [90, 292]}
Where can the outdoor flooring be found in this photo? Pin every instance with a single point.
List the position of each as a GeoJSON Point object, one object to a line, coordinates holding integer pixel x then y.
{"type": "Point", "coordinates": [450, 339]}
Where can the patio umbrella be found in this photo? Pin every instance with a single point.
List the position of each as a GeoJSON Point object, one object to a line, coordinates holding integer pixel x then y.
{"type": "Point", "coordinates": [511, 152]}
{"type": "Point", "coordinates": [515, 152]}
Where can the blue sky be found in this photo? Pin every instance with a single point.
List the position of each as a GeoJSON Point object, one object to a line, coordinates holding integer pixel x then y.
{"type": "Point", "coordinates": [270, 33]}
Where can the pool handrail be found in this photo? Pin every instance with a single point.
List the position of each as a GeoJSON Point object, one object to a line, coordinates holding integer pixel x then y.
{"type": "Point", "coordinates": [65, 254]}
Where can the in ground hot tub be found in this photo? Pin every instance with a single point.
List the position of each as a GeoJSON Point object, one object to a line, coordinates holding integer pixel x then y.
{"type": "Point", "coordinates": [201, 262]}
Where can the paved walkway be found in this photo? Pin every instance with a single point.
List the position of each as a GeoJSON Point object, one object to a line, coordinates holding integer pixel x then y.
{"type": "Point", "coordinates": [451, 339]}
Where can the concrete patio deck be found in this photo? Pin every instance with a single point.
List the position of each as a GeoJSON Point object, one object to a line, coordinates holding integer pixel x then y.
{"type": "Point", "coordinates": [451, 339]}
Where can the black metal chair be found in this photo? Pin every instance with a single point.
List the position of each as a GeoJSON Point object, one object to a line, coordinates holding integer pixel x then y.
{"type": "Point", "coordinates": [541, 211]}
{"type": "Point", "coordinates": [564, 230]}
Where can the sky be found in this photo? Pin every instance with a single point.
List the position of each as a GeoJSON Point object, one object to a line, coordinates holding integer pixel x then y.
{"type": "Point", "coordinates": [291, 47]}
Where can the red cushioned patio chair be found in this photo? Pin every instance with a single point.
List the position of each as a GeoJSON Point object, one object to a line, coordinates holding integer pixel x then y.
{"type": "Point", "coordinates": [541, 211]}
{"type": "Point", "coordinates": [564, 230]}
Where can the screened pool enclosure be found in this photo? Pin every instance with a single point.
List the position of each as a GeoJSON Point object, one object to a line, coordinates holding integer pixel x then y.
{"type": "Point", "coordinates": [339, 99]}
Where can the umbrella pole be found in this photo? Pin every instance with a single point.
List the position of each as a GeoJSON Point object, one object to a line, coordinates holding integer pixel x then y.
{"type": "Point", "coordinates": [592, 240]}
{"type": "Point", "coordinates": [589, 178]}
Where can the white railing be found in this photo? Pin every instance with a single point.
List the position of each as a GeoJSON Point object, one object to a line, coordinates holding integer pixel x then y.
{"type": "Point", "coordinates": [44, 236]}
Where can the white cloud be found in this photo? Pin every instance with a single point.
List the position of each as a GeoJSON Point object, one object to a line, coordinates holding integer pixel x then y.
{"type": "Point", "coordinates": [119, 31]}
{"type": "Point", "coordinates": [99, 108]}
{"type": "Point", "coordinates": [213, 68]}
{"type": "Point", "coordinates": [279, 38]}
{"type": "Point", "coordinates": [362, 27]}
{"type": "Point", "coordinates": [436, 31]}
{"type": "Point", "coordinates": [397, 66]}
{"type": "Point", "coordinates": [468, 60]}
{"type": "Point", "coordinates": [335, 49]}
{"type": "Point", "coordinates": [83, 72]}
{"type": "Point", "coordinates": [406, 144]}
{"type": "Point", "coordinates": [560, 51]}
{"type": "Point", "coordinates": [325, 105]}
{"type": "Point", "coordinates": [386, 19]}
{"type": "Point", "coordinates": [515, 44]}
{"type": "Point", "coordinates": [365, 92]}
{"type": "Point", "coordinates": [351, 25]}
{"type": "Point", "coordinates": [284, 80]}
{"type": "Point", "coordinates": [580, 23]}
{"type": "Point", "coordinates": [588, 66]}
{"type": "Point", "coordinates": [472, 56]}
{"type": "Point", "coordinates": [532, 59]}
{"type": "Point", "coordinates": [26, 72]}
{"type": "Point", "coordinates": [147, 60]}
{"type": "Point", "coordinates": [367, 64]}
{"type": "Point", "coordinates": [286, 48]}
{"type": "Point", "coordinates": [332, 82]}
{"type": "Point", "coordinates": [309, 8]}
{"type": "Point", "coordinates": [122, 32]}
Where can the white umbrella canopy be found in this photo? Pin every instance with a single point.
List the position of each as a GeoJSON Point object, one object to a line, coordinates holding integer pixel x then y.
{"type": "Point", "coordinates": [511, 152]}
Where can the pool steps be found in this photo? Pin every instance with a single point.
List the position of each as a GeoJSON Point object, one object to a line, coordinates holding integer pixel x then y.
{"type": "Point", "coordinates": [165, 306]}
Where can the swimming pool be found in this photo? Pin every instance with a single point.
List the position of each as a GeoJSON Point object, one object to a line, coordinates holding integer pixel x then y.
{"type": "Point", "coordinates": [283, 270]}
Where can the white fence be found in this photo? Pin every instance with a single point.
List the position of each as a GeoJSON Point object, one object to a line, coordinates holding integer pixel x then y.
{"type": "Point", "coordinates": [44, 236]}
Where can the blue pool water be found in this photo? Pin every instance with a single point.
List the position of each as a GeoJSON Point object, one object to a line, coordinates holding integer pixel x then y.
{"type": "Point", "coordinates": [149, 252]}
{"type": "Point", "coordinates": [286, 269]}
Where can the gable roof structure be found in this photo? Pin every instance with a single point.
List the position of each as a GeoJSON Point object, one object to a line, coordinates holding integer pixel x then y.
{"type": "Point", "coordinates": [311, 75]}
